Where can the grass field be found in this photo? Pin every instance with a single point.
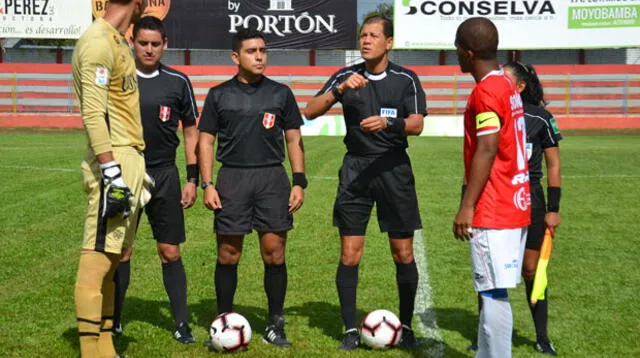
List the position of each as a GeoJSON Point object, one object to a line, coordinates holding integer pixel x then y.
{"type": "Point", "coordinates": [593, 272]}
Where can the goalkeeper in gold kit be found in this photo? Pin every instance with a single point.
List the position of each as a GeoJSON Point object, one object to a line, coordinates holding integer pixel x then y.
{"type": "Point", "coordinates": [104, 78]}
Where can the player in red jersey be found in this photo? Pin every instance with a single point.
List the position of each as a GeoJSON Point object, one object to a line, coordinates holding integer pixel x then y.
{"type": "Point", "coordinates": [495, 207]}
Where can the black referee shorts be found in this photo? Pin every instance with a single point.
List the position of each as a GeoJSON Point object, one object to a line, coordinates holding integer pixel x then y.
{"type": "Point", "coordinates": [535, 235]}
{"type": "Point", "coordinates": [253, 198]}
{"type": "Point", "coordinates": [386, 181]}
{"type": "Point", "coordinates": [164, 209]}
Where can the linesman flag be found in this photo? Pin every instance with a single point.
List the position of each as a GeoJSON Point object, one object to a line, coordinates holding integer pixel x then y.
{"type": "Point", "coordinates": [540, 281]}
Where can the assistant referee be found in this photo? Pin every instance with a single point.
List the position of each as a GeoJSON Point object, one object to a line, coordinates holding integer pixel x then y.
{"type": "Point", "coordinates": [166, 99]}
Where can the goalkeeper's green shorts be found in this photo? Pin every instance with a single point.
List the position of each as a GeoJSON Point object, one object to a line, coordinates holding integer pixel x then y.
{"type": "Point", "coordinates": [113, 234]}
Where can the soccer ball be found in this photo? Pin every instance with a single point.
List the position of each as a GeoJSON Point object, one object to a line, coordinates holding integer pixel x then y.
{"type": "Point", "coordinates": [381, 329]}
{"type": "Point", "coordinates": [230, 332]}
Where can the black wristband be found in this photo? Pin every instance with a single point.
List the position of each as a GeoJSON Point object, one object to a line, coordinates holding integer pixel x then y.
{"type": "Point", "coordinates": [336, 93]}
{"type": "Point", "coordinates": [299, 179]}
{"type": "Point", "coordinates": [395, 125]}
{"type": "Point", "coordinates": [192, 173]}
{"type": "Point", "coordinates": [553, 199]}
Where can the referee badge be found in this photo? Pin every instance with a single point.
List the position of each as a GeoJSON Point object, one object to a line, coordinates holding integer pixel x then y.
{"type": "Point", "coordinates": [268, 120]}
{"type": "Point", "coordinates": [165, 113]}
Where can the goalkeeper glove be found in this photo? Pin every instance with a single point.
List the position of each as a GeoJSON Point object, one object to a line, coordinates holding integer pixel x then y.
{"type": "Point", "coordinates": [147, 188]}
{"type": "Point", "coordinates": [117, 195]}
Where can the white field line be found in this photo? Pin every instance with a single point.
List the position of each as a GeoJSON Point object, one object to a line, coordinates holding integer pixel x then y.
{"type": "Point", "coordinates": [424, 308]}
{"type": "Point", "coordinates": [33, 167]}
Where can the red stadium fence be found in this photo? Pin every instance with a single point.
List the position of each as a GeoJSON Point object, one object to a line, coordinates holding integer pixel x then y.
{"type": "Point", "coordinates": [580, 96]}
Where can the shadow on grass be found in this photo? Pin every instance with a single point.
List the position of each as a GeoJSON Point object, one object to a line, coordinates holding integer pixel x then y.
{"type": "Point", "coordinates": [71, 336]}
{"type": "Point", "coordinates": [326, 316]}
{"type": "Point", "coordinates": [466, 323]}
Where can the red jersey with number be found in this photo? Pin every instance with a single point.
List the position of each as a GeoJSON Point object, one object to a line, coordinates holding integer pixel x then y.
{"type": "Point", "coordinates": [495, 106]}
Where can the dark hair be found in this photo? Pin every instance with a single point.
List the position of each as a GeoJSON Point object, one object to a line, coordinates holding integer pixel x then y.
{"type": "Point", "coordinates": [244, 34]}
{"type": "Point", "coordinates": [387, 25]}
{"type": "Point", "coordinates": [150, 23]}
{"type": "Point", "coordinates": [479, 35]}
{"type": "Point", "coordinates": [533, 92]}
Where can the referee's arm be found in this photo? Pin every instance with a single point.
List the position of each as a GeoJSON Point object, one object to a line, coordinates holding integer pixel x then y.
{"type": "Point", "coordinates": [319, 105]}
{"type": "Point", "coordinates": [206, 142]}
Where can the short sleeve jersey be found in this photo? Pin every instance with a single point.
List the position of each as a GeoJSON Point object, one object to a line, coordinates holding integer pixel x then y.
{"type": "Point", "coordinates": [249, 121]}
{"type": "Point", "coordinates": [495, 106]}
{"type": "Point", "coordinates": [166, 98]}
{"type": "Point", "coordinates": [104, 79]}
{"type": "Point", "coordinates": [542, 133]}
{"type": "Point", "coordinates": [396, 93]}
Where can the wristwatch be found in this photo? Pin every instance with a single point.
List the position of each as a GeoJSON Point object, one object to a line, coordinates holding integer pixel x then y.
{"type": "Point", "coordinates": [205, 184]}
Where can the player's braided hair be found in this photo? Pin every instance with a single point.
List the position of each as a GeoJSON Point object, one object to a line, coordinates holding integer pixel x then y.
{"type": "Point", "coordinates": [533, 92]}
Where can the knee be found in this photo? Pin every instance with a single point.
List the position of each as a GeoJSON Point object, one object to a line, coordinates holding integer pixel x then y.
{"type": "Point", "coordinates": [228, 255]}
{"type": "Point", "coordinates": [351, 256]}
{"type": "Point", "coordinates": [403, 254]}
{"type": "Point", "coordinates": [169, 253]}
{"type": "Point", "coordinates": [273, 255]}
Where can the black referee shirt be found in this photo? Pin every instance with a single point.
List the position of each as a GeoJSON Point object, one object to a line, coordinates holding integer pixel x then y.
{"type": "Point", "coordinates": [166, 97]}
{"type": "Point", "coordinates": [542, 133]}
{"type": "Point", "coordinates": [396, 92]}
{"type": "Point", "coordinates": [249, 121]}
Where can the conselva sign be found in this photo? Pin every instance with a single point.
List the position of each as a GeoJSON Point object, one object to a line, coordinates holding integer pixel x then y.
{"type": "Point", "coordinates": [210, 24]}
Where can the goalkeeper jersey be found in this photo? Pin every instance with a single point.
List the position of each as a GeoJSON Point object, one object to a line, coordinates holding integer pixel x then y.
{"type": "Point", "coordinates": [104, 79]}
{"type": "Point", "coordinates": [495, 106]}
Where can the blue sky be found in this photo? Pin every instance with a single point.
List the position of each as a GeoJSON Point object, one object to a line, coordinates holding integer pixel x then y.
{"type": "Point", "coordinates": [365, 6]}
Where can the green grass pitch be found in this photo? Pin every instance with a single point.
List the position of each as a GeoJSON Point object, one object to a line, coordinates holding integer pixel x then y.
{"type": "Point", "coordinates": [593, 272]}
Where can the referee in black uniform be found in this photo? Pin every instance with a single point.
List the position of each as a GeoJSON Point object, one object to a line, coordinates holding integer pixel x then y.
{"type": "Point", "coordinates": [166, 98]}
{"type": "Point", "coordinates": [382, 104]}
{"type": "Point", "coordinates": [543, 137]}
{"type": "Point", "coordinates": [252, 116]}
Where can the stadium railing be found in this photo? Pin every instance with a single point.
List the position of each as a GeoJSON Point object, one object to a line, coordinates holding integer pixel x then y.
{"type": "Point", "coordinates": [570, 89]}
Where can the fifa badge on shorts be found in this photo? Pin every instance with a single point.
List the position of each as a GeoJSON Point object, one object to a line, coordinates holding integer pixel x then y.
{"type": "Point", "coordinates": [268, 120]}
{"type": "Point", "coordinates": [165, 113]}
{"type": "Point", "coordinates": [388, 112]}
{"type": "Point", "coordinates": [102, 76]}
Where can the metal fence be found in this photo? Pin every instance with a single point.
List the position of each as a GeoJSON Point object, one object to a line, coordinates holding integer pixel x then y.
{"type": "Point", "coordinates": [570, 89]}
{"type": "Point", "coordinates": [279, 57]}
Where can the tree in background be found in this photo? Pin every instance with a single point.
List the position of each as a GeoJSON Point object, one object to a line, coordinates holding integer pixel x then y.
{"type": "Point", "coordinates": [384, 9]}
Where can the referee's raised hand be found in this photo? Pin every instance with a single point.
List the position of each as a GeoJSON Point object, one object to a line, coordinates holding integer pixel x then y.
{"type": "Point", "coordinates": [354, 82]}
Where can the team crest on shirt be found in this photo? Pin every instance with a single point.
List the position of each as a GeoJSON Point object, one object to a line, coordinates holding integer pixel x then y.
{"type": "Point", "coordinates": [529, 147]}
{"type": "Point", "coordinates": [165, 113]}
{"type": "Point", "coordinates": [102, 76]}
{"type": "Point", "coordinates": [268, 120]}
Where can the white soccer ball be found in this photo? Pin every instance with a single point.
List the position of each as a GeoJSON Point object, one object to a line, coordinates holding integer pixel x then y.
{"type": "Point", "coordinates": [381, 329]}
{"type": "Point", "coordinates": [230, 332]}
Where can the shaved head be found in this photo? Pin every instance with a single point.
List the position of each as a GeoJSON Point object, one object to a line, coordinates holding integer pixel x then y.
{"type": "Point", "coordinates": [479, 35]}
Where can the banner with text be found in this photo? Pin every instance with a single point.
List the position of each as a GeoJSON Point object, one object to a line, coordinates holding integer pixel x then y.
{"type": "Point", "coordinates": [312, 24]}
{"type": "Point", "coordinates": [522, 24]}
{"type": "Point", "coordinates": [51, 19]}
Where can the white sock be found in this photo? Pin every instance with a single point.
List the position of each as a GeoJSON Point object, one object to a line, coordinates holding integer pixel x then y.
{"type": "Point", "coordinates": [495, 325]}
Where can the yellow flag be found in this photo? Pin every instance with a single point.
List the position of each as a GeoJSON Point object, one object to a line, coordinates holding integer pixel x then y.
{"type": "Point", "coordinates": [540, 281]}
